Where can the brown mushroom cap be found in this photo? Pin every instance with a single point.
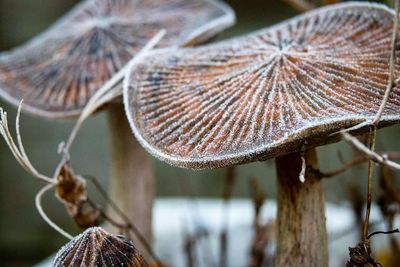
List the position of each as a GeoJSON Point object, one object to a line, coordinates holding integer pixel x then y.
{"type": "Point", "coordinates": [96, 247]}
{"type": "Point", "coordinates": [265, 94]}
{"type": "Point", "coordinates": [58, 71]}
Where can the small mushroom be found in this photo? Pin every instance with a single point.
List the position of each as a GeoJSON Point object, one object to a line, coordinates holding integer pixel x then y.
{"type": "Point", "coordinates": [57, 72]}
{"type": "Point", "coordinates": [276, 93]}
{"type": "Point", "coordinates": [97, 248]}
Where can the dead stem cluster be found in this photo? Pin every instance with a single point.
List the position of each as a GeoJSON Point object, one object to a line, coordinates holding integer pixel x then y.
{"type": "Point", "coordinates": [71, 187]}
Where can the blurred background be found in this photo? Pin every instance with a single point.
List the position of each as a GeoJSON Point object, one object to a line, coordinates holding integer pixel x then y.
{"type": "Point", "coordinates": [26, 239]}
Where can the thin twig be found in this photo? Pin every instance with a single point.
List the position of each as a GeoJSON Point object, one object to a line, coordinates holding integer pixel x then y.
{"type": "Point", "coordinates": [18, 151]}
{"type": "Point", "coordinates": [383, 232]}
{"type": "Point", "coordinates": [39, 207]}
{"type": "Point", "coordinates": [345, 167]}
{"type": "Point", "coordinates": [130, 225]}
{"type": "Point", "coordinates": [22, 158]}
{"type": "Point", "coordinates": [346, 232]}
{"type": "Point", "coordinates": [355, 162]}
{"type": "Point", "coordinates": [391, 79]}
{"type": "Point", "coordinates": [105, 216]}
{"type": "Point", "coordinates": [381, 159]}
{"type": "Point", "coordinates": [371, 144]}
{"type": "Point", "coordinates": [370, 151]}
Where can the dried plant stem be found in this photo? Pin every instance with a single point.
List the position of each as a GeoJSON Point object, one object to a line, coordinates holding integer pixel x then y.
{"type": "Point", "coordinates": [383, 232]}
{"type": "Point", "coordinates": [370, 150]}
{"type": "Point", "coordinates": [130, 184]}
{"type": "Point", "coordinates": [345, 167]}
{"type": "Point", "coordinates": [391, 79]}
{"type": "Point", "coordinates": [129, 224]}
{"type": "Point", "coordinates": [18, 150]}
{"type": "Point", "coordinates": [38, 204]}
{"type": "Point", "coordinates": [371, 144]}
{"type": "Point", "coordinates": [390, 155]}
{"type": "Point", "coordinates": [346, 232]}
{"type": "Point", "coordinates": [20, 155]}
{"type": "Point", "coordinates": [107, 93]}
{"type": "Point", "coordinates": [381, 159]}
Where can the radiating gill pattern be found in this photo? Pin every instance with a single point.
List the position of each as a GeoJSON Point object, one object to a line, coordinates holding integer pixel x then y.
{"type": "Point", "coordinates": [97, 248]}
{"type": "Point", "coordinates": [236, 101]}
{"type": "Point", "coordinates": [58, 71]}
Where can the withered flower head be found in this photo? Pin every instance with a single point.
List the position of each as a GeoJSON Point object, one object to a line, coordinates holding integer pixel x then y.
{"type": "Point", "coordinates": [59, 70]}
{"type": "Point", "coordinates": [265, 94]}
{"type": "Point", "coordinates": [97, 248]}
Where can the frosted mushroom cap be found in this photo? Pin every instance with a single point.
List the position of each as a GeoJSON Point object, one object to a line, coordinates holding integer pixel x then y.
{"type": "Point", "coordinates": [265, 94]}
{"type": "Point", "coordinates": [58, 71]}
{"type": "Point", "coordinates": [95, 247]}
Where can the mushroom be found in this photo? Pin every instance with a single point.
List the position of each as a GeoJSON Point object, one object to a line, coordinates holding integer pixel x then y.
{"type": "Point", "coordinates": [97, 248]}
{"type": "Point", "coordinates": [277, 93]}
{"type": "Point", "coordinates": [57, 72]}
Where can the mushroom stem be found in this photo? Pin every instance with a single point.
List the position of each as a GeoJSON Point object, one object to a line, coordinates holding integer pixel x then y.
{"type": "Point", "coordinates": [302, 236]}
{"type": "Point", "coordinates": [132, 183]}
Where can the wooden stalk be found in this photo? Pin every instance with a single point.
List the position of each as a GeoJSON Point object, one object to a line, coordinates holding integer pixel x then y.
{"type": "Point", "coordinates": [132, 178]}
{"type": "Point", "coordinates": [302, 236]}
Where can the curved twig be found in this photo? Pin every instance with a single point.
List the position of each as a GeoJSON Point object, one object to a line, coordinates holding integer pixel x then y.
{"type": "Point", "coordinates": [129, 225]}
{"type": "Point", "coordinates": [383, 232]}
{"type": "Point", "coordinates": [381, 159]}
{"type": "Point", "coordinates": [18, 151]}
{"type": "Point", "coordinates": [39, 207]}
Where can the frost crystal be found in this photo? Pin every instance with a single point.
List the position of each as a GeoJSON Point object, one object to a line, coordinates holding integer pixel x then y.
{"type": "Point", "coordinates": [58, 71]}
{"type": "Point", "coordinates": [267, 93]}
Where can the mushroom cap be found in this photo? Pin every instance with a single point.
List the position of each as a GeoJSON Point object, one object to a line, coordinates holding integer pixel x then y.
{"type": "Point", "coordinates": [96, 247]}
{"type": "Point", "coordinates": [59, 70]}
{"type": "Point", "coordinates": [266, 94]}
